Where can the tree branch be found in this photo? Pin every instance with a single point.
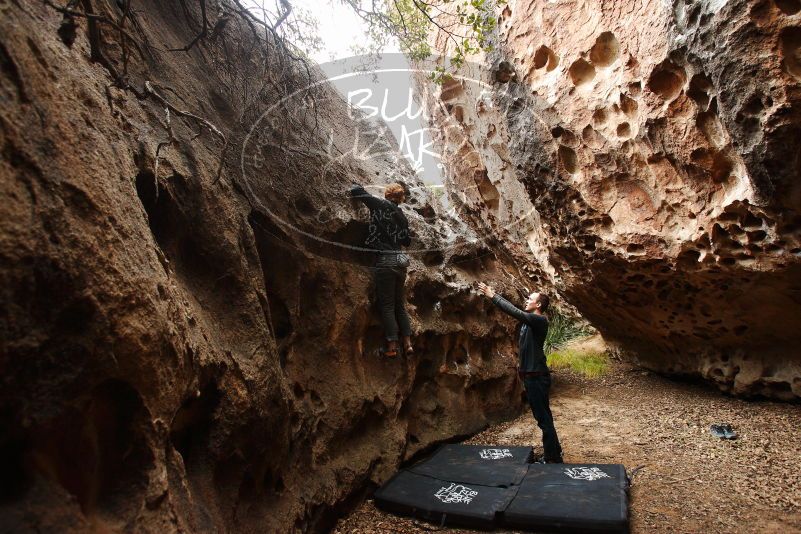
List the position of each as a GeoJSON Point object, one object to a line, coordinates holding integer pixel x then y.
{"type": "Point", "coordinates": [149, 89]}
{"type": "Point", "coordinates": [287, 10]}
{"type": "Point", "coordinates": [200, 35]}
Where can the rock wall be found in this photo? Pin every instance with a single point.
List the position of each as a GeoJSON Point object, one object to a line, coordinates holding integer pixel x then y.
{"type": "Point", "coordinates": [658, 147]}
{"type": "Point", "coordinates": [184, 345]}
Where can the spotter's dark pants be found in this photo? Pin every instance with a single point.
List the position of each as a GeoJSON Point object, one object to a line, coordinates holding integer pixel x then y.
{"type": "Point", "coordinates": [537, 388]}
{"type": "Point", "coordinates": [390, 282]}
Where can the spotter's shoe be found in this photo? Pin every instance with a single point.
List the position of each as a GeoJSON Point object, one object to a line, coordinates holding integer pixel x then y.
{"type": "Point", "coordinates": [544, 460]}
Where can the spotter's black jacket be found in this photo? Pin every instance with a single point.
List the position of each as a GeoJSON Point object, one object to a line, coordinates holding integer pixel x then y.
{"type": "Point", "coordinates": [533, 330]}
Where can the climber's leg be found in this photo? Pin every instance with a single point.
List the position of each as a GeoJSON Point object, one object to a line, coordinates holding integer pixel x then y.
{"type": "Point", "coordinates": [400, 311]}
{"type": "Point", "coordinates": [385, 295]}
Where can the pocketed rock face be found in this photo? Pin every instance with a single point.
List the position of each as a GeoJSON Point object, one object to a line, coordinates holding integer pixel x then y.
{"type": "Point", "coordinates": [174, 356]}
{"type": "Point", "coordinates": [658, 145]}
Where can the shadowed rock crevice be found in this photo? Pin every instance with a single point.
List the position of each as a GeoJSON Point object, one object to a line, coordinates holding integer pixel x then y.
{"type": "Point", "coordinates": [98, 450]}
{"type": "Point", "coordinates": [191, 425]}
{"type": "Point", "coordinates": [790, 46]}
{"type": "Point", "coordinates": [788, 7]}
{"type": "Point", "coordinates": [280, 270]}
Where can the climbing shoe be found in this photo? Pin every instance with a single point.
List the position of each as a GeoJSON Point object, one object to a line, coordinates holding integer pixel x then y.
{"type": "Point", "coordinates": [391, 350]}
{"type": "Point", "coordinates": [408, 349]}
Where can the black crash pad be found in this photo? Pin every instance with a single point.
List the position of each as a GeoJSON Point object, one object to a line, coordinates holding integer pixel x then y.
{"type": "Point", "coordinates": [477, 464]}
{"type": "Point", "coordinates": [571, 498]}
{"type": "Point", "coordinates": [441, 501]}
{"type": "Point", "coordinates": [483, 487]}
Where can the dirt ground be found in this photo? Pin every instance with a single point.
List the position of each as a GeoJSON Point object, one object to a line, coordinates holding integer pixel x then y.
{"type": "Point", "coordinates": [689, 482]}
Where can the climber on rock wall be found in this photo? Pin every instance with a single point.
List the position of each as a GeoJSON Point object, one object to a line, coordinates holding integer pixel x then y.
{"type": "Point", "coordinates": [532, 366]}
{"type": "Point", "coordinates": [388, 232]}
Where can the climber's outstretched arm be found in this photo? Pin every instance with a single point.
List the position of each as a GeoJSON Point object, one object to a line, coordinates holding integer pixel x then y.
{"type": "Point", "coordinates": [357, 192]}
{"type": "Point", "coordinates": [505, 306]}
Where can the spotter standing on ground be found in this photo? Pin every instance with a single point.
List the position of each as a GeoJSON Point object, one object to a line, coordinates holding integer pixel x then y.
{"type": "Point", "coordinates": [532, 367]}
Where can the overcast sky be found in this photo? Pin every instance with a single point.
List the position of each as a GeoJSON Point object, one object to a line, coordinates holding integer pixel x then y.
{"type": "Point", "coordinates": [340, 28]}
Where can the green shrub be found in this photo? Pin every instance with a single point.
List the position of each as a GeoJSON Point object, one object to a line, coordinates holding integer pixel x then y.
{"type": "Point", "coordinates": [588, 363]}
{"type": "Point", "coordinates": [561, 329]}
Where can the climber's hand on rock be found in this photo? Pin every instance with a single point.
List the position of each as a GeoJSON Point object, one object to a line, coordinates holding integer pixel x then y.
{"type": "Point", "coordinates": [355, 192]}
{"type": "Point", "coordinates": [487, 290]}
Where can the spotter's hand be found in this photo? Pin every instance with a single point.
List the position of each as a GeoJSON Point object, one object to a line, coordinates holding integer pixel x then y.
{"type": "Point", "coordinates": [487, 290]}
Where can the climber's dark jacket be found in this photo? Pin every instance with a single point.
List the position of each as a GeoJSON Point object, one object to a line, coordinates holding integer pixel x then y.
{"type": "Point", "coordinates": [389, 229]}
{"type": "Point", "coordinates": [533, 329]}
